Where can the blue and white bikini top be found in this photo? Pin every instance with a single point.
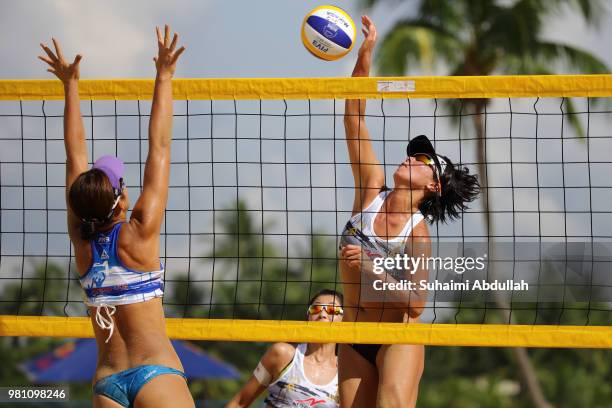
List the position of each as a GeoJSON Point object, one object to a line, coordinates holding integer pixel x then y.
{"type": "Point", "coordinates": [108, 283]}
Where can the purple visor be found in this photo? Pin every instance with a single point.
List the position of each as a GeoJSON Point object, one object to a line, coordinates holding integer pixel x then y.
{"type": "Point", "coordinates": [113, 168]}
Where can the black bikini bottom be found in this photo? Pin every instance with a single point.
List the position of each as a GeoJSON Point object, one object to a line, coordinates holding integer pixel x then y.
{"type": "Point", "coordinates": [367, 351]}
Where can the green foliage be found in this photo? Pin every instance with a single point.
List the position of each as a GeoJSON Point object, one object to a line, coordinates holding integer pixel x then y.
{"type": "Point", "coordinates": [40, 294]}
{"type": "Point", "coordinates": [487, 377]}
{"type": "Point", "coordinates": [43, 292]}
{"type": "Point", "coordinates": [484, 37]}
{"type": "Point", "coordinates": [253, 279]}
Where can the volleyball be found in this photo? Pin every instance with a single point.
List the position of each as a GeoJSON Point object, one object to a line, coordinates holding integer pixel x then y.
{"type": "Point", "coordinates": [328, 32]}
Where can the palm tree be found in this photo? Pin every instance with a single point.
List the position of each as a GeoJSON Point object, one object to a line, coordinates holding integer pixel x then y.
{"type": "Point", "coordinates": [485, 37]}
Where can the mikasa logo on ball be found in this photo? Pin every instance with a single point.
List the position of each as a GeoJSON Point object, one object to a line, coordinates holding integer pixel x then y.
{"type": "Point", "coordinates": [330, 30]}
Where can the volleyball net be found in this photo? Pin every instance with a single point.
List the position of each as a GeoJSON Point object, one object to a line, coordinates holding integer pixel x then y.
{"type": "Point", "coordinates": [261, 186]}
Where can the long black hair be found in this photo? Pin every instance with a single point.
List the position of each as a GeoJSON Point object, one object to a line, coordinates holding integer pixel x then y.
{"type": "Point", "coordinates": [458, 188]}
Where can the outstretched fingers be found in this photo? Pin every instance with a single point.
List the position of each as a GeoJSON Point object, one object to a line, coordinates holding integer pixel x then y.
{"type": "Point", "coordinates": [45, 59]}
{"type": "Point", "coordinates": [48, 51]}
{"type": "Point", "coordinates": [164, 41]}
{"type": "Point", "coordinates": [177, 54]}
{"type": "Point", "coordinates": [174, 40]}
{"type": "Point", "coordinates": [166, 35]}
{"type": "Point", "coordinates": [63, 70]}
{"type": "Point", "coordinates": [167, 55]}
{"type": "Point", "coordinates": [364, 22]}
{"type": "Point", "coordinates": [58, 49]}
{"type": "Point", "coordinates": [160, 41]}
{"type": "Point", "coordinates": [369, 29]}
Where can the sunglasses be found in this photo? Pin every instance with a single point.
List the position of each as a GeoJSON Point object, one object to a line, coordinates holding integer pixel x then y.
{"type": "Point", "coordinates": [117, 193]}
{"type": "Point", "coordinates": [424, 158]}
{"type": "Point", "coordinates": [427, 160]}
{"type": "Point", "coordinates": [330, 309]}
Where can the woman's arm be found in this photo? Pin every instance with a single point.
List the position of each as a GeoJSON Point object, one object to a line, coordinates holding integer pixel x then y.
{"type": "Point", "coordinates": [149, 209]}
{"type": "Point", "coordinates": [368, 173]}
{"type": "Point", "coordinates": [413, 301]}
{"type": "Point", "coordinates": [274, 361]}
{"type": "Point", "coordinates": [247, 394]}
{"type": "Point", "coordinates": [74, 132]}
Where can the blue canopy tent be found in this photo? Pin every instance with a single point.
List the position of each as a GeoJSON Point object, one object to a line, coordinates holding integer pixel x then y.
{"type": "Point", "coordinates": [76, 361]}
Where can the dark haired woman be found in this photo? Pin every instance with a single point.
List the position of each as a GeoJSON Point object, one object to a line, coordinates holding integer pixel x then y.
{"type": "Point", "coordinates": [118, 260]}
{"type": "Point", "coordinates": [385, 223]}
{"type": "Point", "coordinates": [305, 375]}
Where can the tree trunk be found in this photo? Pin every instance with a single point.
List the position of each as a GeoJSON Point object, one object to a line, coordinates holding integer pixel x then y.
{"type": "Point", "coordinates": [529, 377]}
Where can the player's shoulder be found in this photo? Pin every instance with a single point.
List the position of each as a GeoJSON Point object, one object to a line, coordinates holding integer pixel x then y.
{"type": "Point", "coordinates": [278, 356]}
{"type": "Point", "coordinates": [282, 351]}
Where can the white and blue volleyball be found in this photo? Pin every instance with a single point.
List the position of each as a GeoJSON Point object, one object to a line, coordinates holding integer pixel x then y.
{"type": "Point", "coordinates": [328, 32]}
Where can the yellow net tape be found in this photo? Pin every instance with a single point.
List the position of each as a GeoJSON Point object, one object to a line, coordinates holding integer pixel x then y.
{"type": "Point", "coordinates": [295, 332]}
{"type": "Point", "coordinates": [323, 88]}
{"type": "Point", "coordinates": [329, 88]}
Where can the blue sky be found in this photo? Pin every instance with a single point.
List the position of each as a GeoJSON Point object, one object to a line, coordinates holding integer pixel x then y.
{"type": "Point", "coordinates": [226, 38]}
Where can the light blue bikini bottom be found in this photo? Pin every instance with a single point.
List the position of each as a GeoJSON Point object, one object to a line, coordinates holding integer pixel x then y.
{"type": "Point", "coordinates": [122, 387]}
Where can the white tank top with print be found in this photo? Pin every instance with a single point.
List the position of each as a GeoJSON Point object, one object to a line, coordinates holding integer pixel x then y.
{"type": "Point", "coordinates": [293, 390]}
{"type": "Point", "coordinates": [359, 230]}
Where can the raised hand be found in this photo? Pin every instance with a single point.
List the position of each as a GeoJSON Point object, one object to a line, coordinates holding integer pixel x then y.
{"type": "Point", "coordinates": [166, 58]}
{"type": "Point", "coordinates": [59, 67]}
{"type": "Point", "coordinates": [369, 31]}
